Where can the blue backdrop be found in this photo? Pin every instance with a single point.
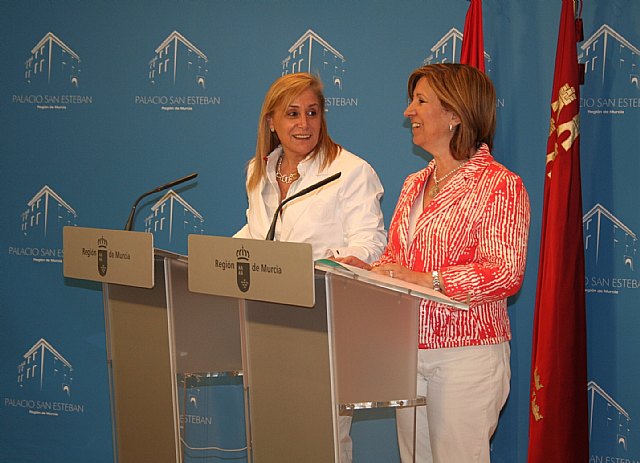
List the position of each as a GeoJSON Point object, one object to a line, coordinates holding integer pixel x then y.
{"type": "Point", "coordinates": [103, 100]}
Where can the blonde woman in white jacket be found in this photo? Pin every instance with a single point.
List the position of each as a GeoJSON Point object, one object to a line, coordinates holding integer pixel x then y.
{"type": "Point", "coordinates": [294, 151]}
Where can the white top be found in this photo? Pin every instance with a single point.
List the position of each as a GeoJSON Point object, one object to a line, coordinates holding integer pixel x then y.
{"type": "Point", "coordinates": [341, 218]}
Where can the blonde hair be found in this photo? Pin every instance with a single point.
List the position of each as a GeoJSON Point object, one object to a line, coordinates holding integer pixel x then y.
{"type": "Point", "coordinates": [467, 92]}
{"type": "Point", "coordinates": [279, 96]}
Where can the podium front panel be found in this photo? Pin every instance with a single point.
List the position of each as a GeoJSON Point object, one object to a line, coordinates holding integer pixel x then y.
{"type": "Point", "coordinates": [168, 351]}
{"type": "Point", "coordinates": [292, 407]}
{"type": "Point", "coordinates": [357, 344]}
{"type": "Point", "coordinates": [375, 342]}
{"type": "Point", "coordinates": [142, 398]}
{"type": "Point", "coordinates": [206, 328]}
{"type": "Point", "coordinates": [208, 368]}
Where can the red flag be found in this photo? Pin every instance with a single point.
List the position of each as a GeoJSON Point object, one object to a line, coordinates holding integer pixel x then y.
{"type": "Point", "coordinates": [472, 40]}
{"type": "Point", "coordinates": [558, 424]}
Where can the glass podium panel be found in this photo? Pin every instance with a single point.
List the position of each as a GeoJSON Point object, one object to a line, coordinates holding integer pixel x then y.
{"type": "Point", "coordinates": [140, 378]}
{"type": "Point", "coordinates": [374, 334]}
{"type": "Point", "coordinates": [357, 346]}
{"type": "Point", "coordinates": [208, 370]}
{"type": "Point", "coordinates": [175, 367]}
{"type": "Point", "coordinates": [186, 368]}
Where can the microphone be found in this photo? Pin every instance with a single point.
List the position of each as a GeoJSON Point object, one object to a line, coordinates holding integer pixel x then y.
{"type": "Point", "coordinates": [129, 225]}
{"type": "Point", "coordinates": [309, 189]}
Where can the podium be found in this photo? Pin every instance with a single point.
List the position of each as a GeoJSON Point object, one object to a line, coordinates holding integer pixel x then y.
{"type": "Point", "coordinates": [161, 344]}
{"type": "Point", "coordinates": [165, 346]}
{"type": "Point", "coordinates": [353, 346]}
{"type": "Point", "coordinates": [356, 348]}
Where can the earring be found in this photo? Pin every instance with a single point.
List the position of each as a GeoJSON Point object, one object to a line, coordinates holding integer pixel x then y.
{"type": "Point", "coordinates": [272, 129]}
{"type": "Point", "coordinates": [450, 127]}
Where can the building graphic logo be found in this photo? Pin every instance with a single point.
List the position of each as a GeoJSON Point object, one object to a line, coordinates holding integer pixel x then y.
{"type": "Point", "coordinates": [311, 53]}
{"type": "Point", "coordinates": [607, 419]}
{"type": "Point", "coordinates": [44, 382]}
{"type": "Point", "coordinates": [195, 410]}
{"type": "Point", "coordinates": [193, 397]}
{"type": "Point", "coordinates": [43, 368]}
{"type": "Point", "coordinates": [47, 213]}
{"type": "Point", "coordinates": [172, 219]}
{"type": "Point", "coordinates": [607, 54]}
{"type": "Point", "coordinates": [179, 71]}
{"type": "Point", "coordinates": [243, 270]}
{"type": "Point", "coordinates": [176, 61]}
{"type": "Point", "coordinates": [52, 65]}
{"type": "Point", "coordinates": [612, 73]}
{"type": "Point", "coordinates": [611, 248]}
{"type": "Point", "coordinates": [606, 235]}
{"type": "Point", "coordinates": [315, 55]}
{"type": "Point", "coordinates": [448, 49]}
{"type": "Point", "coordinates": [202, 410]}
{"type": "Point", "coordinates": [52, 61]}
{"type": "Point", "coordinates": [41, 227]}
{"type": "Point", "coordinates": [102, 256]}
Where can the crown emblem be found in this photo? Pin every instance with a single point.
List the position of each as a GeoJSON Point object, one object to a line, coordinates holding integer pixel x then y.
{"type": "Point", "coordinates": [242, 254]}
{"type": "Point", "coordinates": [102, 243]}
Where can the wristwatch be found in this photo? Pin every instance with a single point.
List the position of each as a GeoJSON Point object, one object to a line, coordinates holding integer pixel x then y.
{"type": "Point", "coordinates": [436, 281]}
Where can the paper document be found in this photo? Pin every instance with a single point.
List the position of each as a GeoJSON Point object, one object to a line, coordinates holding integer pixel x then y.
{"type": "Point", "coordinates": [388, 282]}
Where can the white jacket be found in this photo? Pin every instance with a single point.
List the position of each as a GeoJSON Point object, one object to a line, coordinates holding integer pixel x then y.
{"type": "Point", "coordinates": [339, 219]}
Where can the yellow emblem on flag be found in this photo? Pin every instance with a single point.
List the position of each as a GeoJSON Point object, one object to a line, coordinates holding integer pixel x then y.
{"type": "Point", "coordinates": [535, 408]}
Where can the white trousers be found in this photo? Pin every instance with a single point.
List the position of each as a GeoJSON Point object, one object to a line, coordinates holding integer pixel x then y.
{"type": "Point", "coordinates": [466, 387]}
{"type": "Point", "coordinates": [344, 435]}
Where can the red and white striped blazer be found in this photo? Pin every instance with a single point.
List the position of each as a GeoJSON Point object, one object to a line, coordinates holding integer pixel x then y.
{"type": "Point", "coordinates": [475, 234]}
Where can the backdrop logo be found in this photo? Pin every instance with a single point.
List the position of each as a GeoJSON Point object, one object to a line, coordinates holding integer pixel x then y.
{"type": "Point", "coordinates": [172, 219]}
{"type": "Point", "coordinates": [609, 423]}
{"type": "Point", "coordinates": [102, 256]}
{"type": "Point", "coordinates": [610, 253]}
{"type": "Point", "coordinates": [45, 379]}
{"type": "Point", "coordinates": [311, 53]}
{"type": "Point", "coordinates": [42, 222]}
{"type": "Point", "coordinates": [612, 76]}
{"type": "Point", "coordinates": [52, 65]}
{"type": "Point", "coordinates": [192, 416]}
{"type": "Point", "coordinates": [243, 269]}
{"type": "Point", "coordinates": [448, 49]}
{"type": "Point", "coordinates": [178, 70]}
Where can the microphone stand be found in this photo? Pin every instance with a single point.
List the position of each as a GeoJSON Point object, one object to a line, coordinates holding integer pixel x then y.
{"type": "Point", "coordinates": [309, 189]}
{"type": "Point", "coordinates": [129, 224]}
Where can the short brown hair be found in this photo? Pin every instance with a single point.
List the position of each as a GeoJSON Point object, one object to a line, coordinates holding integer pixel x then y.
{"type": "Point", "coordinates": [467, 92]}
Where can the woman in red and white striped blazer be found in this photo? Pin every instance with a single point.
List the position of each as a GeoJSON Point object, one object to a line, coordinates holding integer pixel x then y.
{"type": "Point", "coordinates": [460, 227]}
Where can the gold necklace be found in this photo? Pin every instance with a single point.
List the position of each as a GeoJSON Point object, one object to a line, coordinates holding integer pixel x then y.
{"type": "Point", "coordinates": [436, 188]}
{"type": "Point", "coordinates": [288, 178]}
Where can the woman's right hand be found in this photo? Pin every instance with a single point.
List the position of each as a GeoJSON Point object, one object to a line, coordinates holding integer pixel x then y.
{"type": "Point", "coordinates": [354, 261]}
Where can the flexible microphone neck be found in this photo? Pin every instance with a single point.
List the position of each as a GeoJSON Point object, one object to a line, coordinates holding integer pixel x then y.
{"type": "Point", "coordinates": [129, 224]}
{"type": "Point", "coordinates": [304, 191]}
